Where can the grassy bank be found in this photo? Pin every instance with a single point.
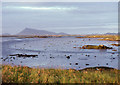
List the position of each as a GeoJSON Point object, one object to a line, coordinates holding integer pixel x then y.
{"type": "Point", "coordinates": [104, 37]}
{"type": "Point", "coordinates": [35, 75]}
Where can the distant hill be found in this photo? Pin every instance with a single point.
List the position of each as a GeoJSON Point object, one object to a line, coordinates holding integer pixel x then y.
{"type": "Point", "coordinates": [29, 31]}
{"type": "Point", "coordinates": [111, 33]}
{"type": "Point", "coordinates": [6, 34]}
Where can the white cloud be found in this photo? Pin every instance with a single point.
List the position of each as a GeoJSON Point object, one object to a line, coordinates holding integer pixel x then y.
{"type": "Point", "coordinates": [41, 8]}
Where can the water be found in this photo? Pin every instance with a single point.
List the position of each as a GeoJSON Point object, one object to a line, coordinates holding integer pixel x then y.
{"type": "Point", "coordinates": [52, 52]}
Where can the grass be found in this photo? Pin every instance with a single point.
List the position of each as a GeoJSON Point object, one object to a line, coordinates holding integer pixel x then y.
{"type": "Point", "coordinates": [19, 74]}
{"type": "Point", "coordinates": [104, 37]}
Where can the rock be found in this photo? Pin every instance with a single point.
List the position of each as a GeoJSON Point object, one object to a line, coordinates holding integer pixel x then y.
{"type": "Point", "coordinates": [14, 58]}
{"type": "Point", "coordinates": [23, 55]}
{"type": "Point", "coordinates": [106, 63]}
{"type": "Point", "coordinates": [76, 63]}
{"type": "Point", "coordinates": [115, 44]}
{"type": "Point", "coordinates": [87, 64]}
{"type": "Point", "coordinates": [112, 58]}
{"type": "Point", "coordinates": [114, 50]}
{"type": "Point", "coordinates": [68, 57]}
{"type": "Point", "coordinates": [70, 63]}
{"type": "Point", "coordinates": [52, 57]}
{"type": "Point", "coordinates": [95, 47]}
{"type": "Point", "coordinates": [113, 53]}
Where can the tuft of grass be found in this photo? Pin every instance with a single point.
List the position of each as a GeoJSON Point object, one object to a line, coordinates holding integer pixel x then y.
{"type": "Point", "coordinates": [23, 74]}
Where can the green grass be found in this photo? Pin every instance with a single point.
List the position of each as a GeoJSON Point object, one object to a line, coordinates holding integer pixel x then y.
{"type": "Point", "coordinates": [19, 74]}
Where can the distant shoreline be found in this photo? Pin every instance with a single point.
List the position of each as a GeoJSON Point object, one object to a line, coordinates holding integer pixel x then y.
{"type": "Point", "coordinates": [103, 36]}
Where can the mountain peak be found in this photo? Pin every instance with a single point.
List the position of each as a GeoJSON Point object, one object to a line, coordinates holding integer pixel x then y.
{"type": "Point", "coordinates": [30, 31]}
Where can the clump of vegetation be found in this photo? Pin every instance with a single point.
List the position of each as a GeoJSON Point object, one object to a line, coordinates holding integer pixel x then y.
{"type": "Point", "coordinates": [23, 74]}
{"type": "Point", "coordinates": [95, 47]}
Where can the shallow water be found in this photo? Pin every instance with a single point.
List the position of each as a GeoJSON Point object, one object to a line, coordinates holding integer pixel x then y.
{"type": "Point", "coordinates": [52, 52]}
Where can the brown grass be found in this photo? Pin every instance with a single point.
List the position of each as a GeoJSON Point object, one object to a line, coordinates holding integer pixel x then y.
{"type": "Point", "coordinates": [19, 74]}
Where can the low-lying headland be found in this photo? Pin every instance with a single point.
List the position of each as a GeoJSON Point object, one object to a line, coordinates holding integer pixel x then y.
{"type": "Point", "coordinates": [103, 36]}
{"type": "Point", "coordinates": [24, 74]}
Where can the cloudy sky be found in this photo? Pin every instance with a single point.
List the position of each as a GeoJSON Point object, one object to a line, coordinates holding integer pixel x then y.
{"type": "Point", "coordinates": [68, 17]}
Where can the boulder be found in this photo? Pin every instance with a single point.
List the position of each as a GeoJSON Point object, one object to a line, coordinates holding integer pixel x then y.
{"type": "Point", "coordinates": [115, 44]}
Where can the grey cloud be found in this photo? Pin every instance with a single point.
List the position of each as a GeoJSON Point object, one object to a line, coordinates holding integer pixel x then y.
{"type": "Point", "coordinates": [85, 14]}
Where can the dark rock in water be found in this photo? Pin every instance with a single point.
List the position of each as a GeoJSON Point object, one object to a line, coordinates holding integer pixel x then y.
{"type": "Point", "coordinates": [106, 63]}
{"type": "Point", "coordinates": [70, 63]}
{"type": "Point", "coordinates": [96, 47]}
{"type": "Point", "coordinates": [112, 58]}
{"type": "Point", "coordinates": [76, 63]}
{"type": "Point", "coordinates": [87, 64]}
{"type": "Point", "coordinates": [113, 53]}
{"type": "Point", "coordinates": [23, 55]}
{"type": "Point", "coordinates": [94, 56]}
{"type": "Point", "coordinates": [52, 57]}
{"type": "Point", "coordinates": [68, 57]}
{"type": "Point", "coordinates": [5, 59]}
{"type": "Point", "coordinates": [87, 55]}
{"type": "Point", "coordinates": [13, 57]}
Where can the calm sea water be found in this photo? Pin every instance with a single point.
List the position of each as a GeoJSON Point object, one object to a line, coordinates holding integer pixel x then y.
{"type": "Point", "coordinates": [58, 49]}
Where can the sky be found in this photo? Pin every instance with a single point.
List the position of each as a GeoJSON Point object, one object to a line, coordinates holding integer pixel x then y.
{"type": "Point", "coordinates": [68, 17]}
